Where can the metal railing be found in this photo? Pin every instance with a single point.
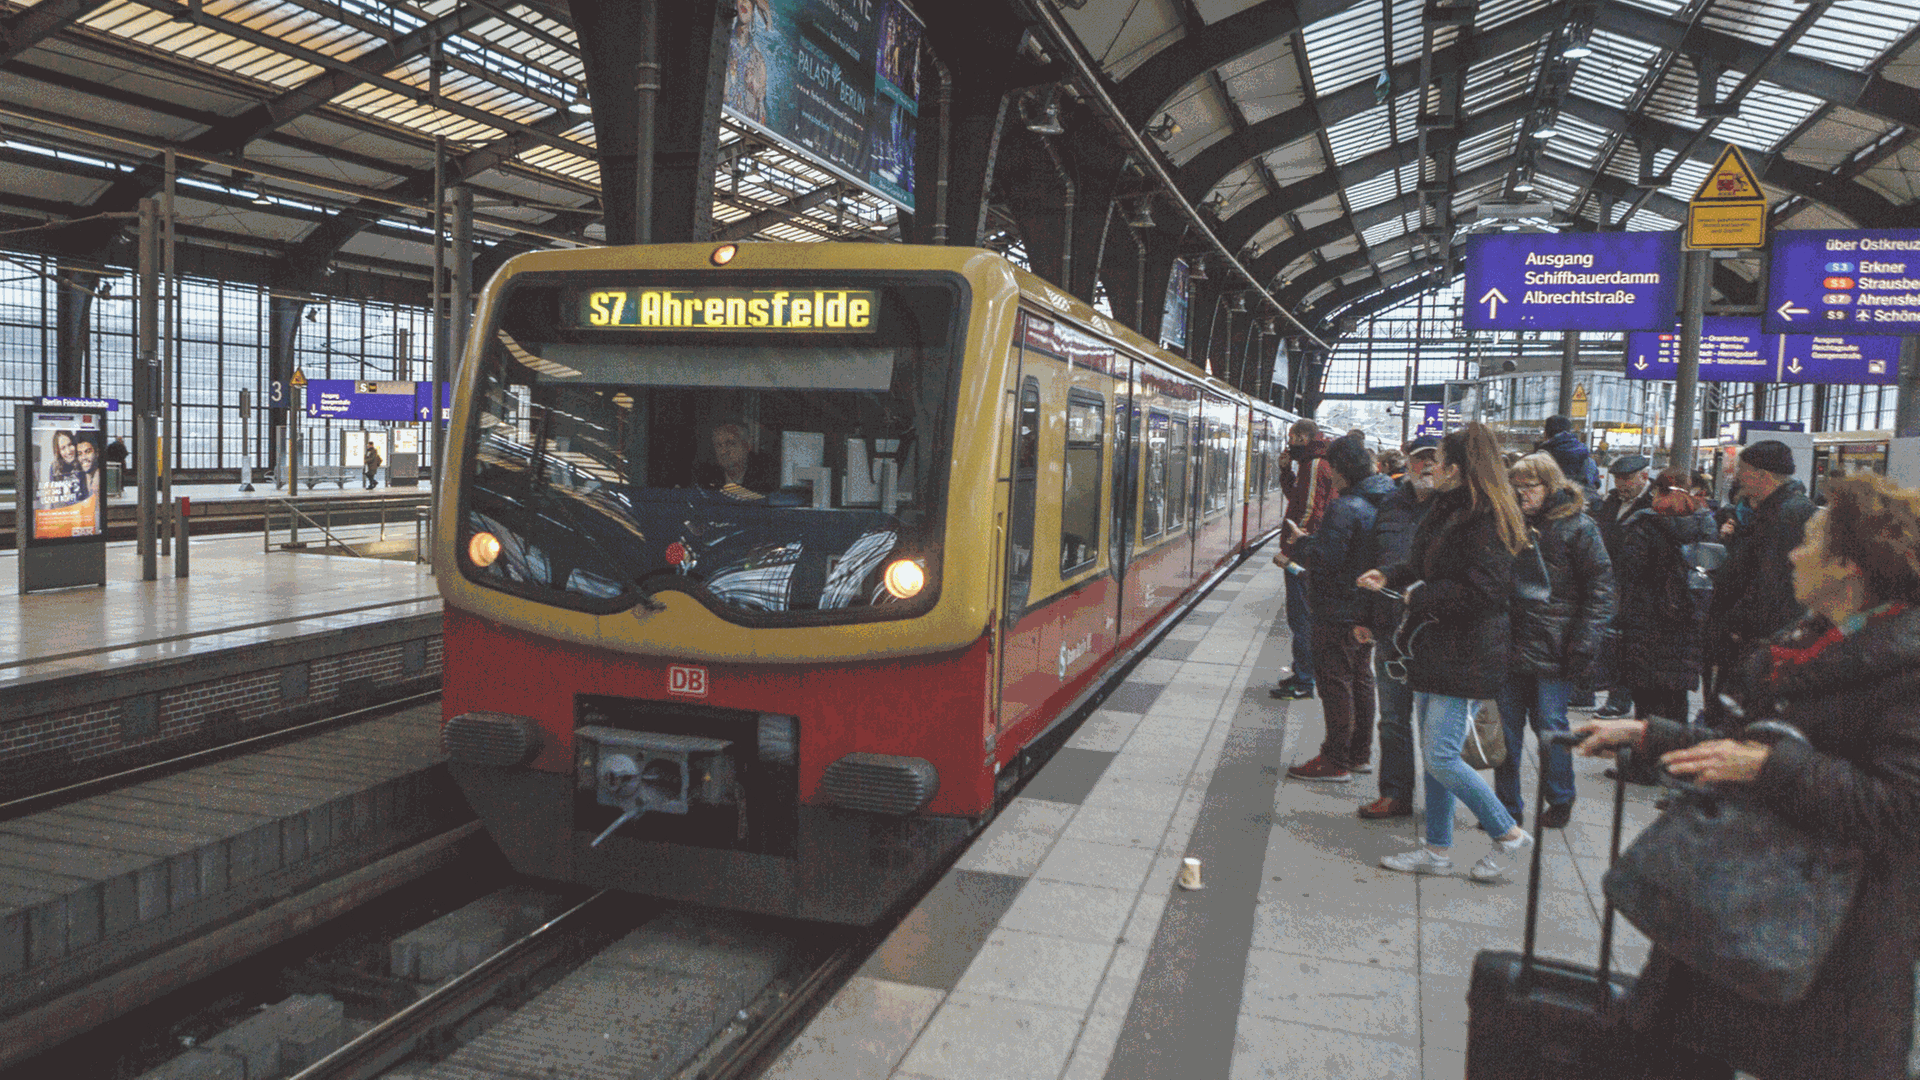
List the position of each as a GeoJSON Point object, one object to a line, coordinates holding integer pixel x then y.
{"type": "Point", "coordinates": [345, 524]}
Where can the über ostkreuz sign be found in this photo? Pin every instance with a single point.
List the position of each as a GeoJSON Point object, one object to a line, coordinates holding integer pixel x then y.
{"type": "Point", "coordinates": [1572, 281]}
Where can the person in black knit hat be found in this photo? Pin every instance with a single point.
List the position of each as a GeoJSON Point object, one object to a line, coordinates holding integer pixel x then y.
{"type": "Point", "coordinates": [1753, 591]}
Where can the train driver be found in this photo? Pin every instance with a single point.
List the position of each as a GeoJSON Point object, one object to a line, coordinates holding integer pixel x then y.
{"type": "Point", "coordinates": [736, 465]}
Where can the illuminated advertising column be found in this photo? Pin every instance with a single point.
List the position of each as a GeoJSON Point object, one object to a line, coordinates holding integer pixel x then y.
{"type": "Point", "coordinates": [60, 480]}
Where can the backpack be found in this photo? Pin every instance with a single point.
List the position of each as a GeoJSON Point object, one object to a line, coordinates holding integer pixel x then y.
{"type": "Point", "coordinates": [1686, 593]}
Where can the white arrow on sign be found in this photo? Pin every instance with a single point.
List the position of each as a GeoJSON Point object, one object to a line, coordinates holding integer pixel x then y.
{"type": "Point", "coordinates": [1787, 311]}
{"type": "Point", "coordinates": [1640, 364]}
{"type": "Point", "coordinates": [1493, 300]}
{"type": "Point", "coordinates": [1795, 366]}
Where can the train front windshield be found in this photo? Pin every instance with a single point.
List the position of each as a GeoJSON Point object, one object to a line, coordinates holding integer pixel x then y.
{"type": "Point", "coordinates": [774, 448]}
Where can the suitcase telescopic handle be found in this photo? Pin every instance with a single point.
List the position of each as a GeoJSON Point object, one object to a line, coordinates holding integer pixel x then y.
{"type": "Point", "coordinates": [1621, 764]}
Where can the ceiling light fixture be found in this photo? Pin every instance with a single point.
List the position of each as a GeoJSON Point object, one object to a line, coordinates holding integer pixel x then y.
{"type": "Point", "coordinates": [1140, 212]}
{"type": "Point", "coordinates": [1578, 50]}
{"type": "Point", "coordinates": [1237, 303]}
{"type": "Point", "coordinates": [1047, 120]}
{"type": "Point", "coordinates": [1166, 128]}
{"type": "Point", "coordinates": [580, 106]}
{"type": "Point", "coordinates": [1546, 130]}
{"type": "Point", "coordinates": [1198, 271]}
{"type": "Point", "coordinates": [1523, 184]}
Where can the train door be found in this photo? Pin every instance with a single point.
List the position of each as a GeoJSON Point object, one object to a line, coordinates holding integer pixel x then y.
{"type": "Point", "coordinates": [1126, 481]}
{"type": "Point", "coordinates": [1019, 653]}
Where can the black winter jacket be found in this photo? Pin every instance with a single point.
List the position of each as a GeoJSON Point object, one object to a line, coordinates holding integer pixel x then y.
{"type": "Point", "coordinates": [1400, 514]}
{"type": "Point", "coordinates": [1466, 591]}
{"type": "Point", "coordinates": [1654, 648]}
{"type": "Point", "coordinates": [1574, 459]}
{"type": "Point", "coordinates": [1561, 638]}
{"type": "Point", "coordinates": [1340, 551]}
{"type": "Point", "coordinates": [1613, 523]}
{"type": "Point", "coordinates": [1753, 593]}
{"type": "Point", "coordinates": [1858, 701]}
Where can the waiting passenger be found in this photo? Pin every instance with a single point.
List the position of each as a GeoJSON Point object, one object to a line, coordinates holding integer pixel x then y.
{"type": "Point", "coordinates": [1458, 583]}
{"type": "Point", "coordinates": [737, 469]}
{"type": "Point", "coordinates": [1309, 486]}
{"type": "Point", "coordinates": [1557, 643]}
{"type": "Point", "coordinates": [1334, 555]}
{"type": "Point", "coordinates": [1848, 677]}
{"type": "Point", "coordinates": [1400, 516]}
{"type": "Point", "coordinates": [1662, 627]}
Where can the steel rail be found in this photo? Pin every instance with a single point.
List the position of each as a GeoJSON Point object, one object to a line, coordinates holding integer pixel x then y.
{"type": "Point", "coordinates": [1149, 157]}
{"type": "Point", "coordinates": [28, 804]}
{"type": "Point", "coordinates": [387, 1042]}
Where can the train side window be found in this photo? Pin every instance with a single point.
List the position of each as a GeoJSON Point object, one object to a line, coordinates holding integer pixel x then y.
{"type": "Point", "coordinates": [1218, 467]}
{"type": "Point", "coordinates": [1177, 455]}
{"type": "Point", "coordinates": [1153, 507]}
{"type": "Point", "coordinates": [1080, 490]}
{"type": "Point", "coordinates": [1026, 474]}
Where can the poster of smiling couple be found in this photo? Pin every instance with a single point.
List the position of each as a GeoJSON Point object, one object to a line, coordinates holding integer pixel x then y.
{"type": "Point", "coordinates": [837, 80]}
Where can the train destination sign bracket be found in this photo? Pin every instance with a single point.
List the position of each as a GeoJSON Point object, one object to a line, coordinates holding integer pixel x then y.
{"type": "Point", "coordinates": [1735, 349]}
{"type": "Point", "coordinates": [1844, 281]}
{"type": "Point", "coordinates": [1572, 281]}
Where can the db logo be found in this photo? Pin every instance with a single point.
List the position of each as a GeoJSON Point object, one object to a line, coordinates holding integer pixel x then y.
{"type": "Point", "coordinates": [687, 681]}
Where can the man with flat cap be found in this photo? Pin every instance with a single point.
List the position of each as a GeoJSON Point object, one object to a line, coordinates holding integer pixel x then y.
{"type": "Point", "coordinates": [1631, 494]}
{"type": "Point", "coordinates": [1753, 592]}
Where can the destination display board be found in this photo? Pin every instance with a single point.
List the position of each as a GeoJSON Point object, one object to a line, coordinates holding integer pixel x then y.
{"type": "Point", "coordinates": [1572, 281]}
{"type": "Point", "coordinates": [837, 81]}
{"type": "Point", "coordinates": [1864, 281]}
{"type": "Point", "coordinates": [847, 311]}
{"type": "Point", "coordinates": [1735, 348]}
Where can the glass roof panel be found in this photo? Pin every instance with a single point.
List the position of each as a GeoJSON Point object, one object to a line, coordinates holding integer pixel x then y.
{"type": "Point", "coordinates": [1852, 34]}
{"type": "Point", "coordinates": [1345, 48]}
{"type": "Point", "coordinates": [1753, 20]}
{"type": "Point", "coordinates": [1357, 136]}
{"type": "Point", "coordinates": [1768, 114]}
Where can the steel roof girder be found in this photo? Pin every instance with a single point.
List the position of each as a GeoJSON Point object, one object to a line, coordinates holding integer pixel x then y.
{"type": "Point", "coordinates": [1867, 91]}
{"type": "Point", "coordinates": [25, 29]}
{"type": "Point", "coordinates": [1856, 201]}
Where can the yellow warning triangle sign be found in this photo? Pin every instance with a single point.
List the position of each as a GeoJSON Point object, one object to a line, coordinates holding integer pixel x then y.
{"type": "Point", "coordinates": [299, 377]}
{"type": "Point", "coordinates": [1730, 181]}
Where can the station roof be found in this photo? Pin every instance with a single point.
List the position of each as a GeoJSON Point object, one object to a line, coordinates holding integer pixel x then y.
{"type": "Point", "coordinates": [1355, 145]}
{"type": "Point", "coordinates": [1346, 147]}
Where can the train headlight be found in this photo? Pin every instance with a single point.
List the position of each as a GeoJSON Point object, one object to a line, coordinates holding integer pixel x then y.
{"type": "Point", "coordinates": [724, 254]}
{"type": "Point", "coordinates": [483, 549]}
{"type": "Point", "coordinates": [905, 579]}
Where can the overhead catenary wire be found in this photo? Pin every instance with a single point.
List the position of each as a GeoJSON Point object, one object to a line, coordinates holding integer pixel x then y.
{"type": "Point", "coordinates": [1090, 84]}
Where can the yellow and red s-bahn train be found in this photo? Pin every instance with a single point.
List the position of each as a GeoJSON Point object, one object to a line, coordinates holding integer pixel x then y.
{"type": "Point", "coordinates": [763, 565]}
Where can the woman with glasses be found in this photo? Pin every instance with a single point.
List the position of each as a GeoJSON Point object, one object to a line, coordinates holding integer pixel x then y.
{"type": "Point", "coordinates": [1556, 643]}
{"type": "Point", "coordinates": [1458, 588]}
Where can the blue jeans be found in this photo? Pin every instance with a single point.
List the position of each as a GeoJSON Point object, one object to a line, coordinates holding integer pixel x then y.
{"type": "Point", "coordinates": [1396, 729]}
{"type": "Point", "coordinates": [1300, 627]}
{"type": "Point", "coordinates": [1544, 702]}
{"type": "Point", "coordinates": [1443, 730]}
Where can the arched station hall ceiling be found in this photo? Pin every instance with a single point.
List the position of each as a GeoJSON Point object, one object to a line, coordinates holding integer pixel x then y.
{"type": "Point", "coordinates": [1346, 144]}
{"type": "Point", "coordinates": [1342, 146]}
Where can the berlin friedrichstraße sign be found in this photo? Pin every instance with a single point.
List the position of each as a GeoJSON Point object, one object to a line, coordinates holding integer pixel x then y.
{"type": "Point", "coordinates": [1734, 349]}
{"type": "Point", "coordinates": [1572, 281]}
{"type": "Point", "coordinates": [1844, 281]}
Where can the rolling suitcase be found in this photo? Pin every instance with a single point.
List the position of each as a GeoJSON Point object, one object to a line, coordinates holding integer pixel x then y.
{"type": "Point", "coordinates": [1533, 1018]}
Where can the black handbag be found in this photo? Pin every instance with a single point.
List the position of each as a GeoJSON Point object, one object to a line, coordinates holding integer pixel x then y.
{"type": "Point", "coordinates": [1530, 581]}
{"type": "Point", "coordinates": [1735, 891]}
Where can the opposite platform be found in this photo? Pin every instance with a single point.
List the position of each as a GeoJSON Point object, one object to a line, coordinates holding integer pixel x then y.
{"type": "Point", "coordinates": [1060, 946]}
{"type": "Point", "coordinates": [94, 678]}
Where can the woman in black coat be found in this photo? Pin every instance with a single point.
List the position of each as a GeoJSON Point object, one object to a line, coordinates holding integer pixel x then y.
{"type": "Point", "coordinates": [1557, 641]}
{"type": "Point", "coordinates": [1458, 583]}
{"type": "Point", "coordinates": [1661, 644]}
{"type": "Point", "coordinates": [1849, 678]}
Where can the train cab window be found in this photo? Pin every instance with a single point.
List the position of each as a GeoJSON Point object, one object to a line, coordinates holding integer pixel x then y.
{"type": "Point", "coordinates": [1080, 488]}
{"type": "Point", "coordinates": [1153, 505]}
{"type": "Point", "coordinates": [775, 476]}
{"type": "Point", "coordinates": [1177, 454]}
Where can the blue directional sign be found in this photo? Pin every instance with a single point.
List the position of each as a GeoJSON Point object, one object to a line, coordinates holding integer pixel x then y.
{"type": "Point", "coordinates": [105, 404]}
{"type": "Point", "coordinates": [346, 399]}
{"type": "Point", "coordinates": [1572, 281]}
{"type": "Point", "coordinates": [1859, 281]}
{"type": "Point", "coordinates": [1433, 421]}
{"type": "Point", "coordinates": [1734, 349]}
{"type": "Point", "coordinates": [423, 401]}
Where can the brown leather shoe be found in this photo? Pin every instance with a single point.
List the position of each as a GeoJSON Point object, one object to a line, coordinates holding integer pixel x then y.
{"type": "Point", "coordinates": [1384, 807]}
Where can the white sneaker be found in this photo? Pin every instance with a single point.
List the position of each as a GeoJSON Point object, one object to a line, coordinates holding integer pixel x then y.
{"type": "Point", "coordinates": [1421, 860]}
{"type": "Point", "coordinates": [1492, 865]}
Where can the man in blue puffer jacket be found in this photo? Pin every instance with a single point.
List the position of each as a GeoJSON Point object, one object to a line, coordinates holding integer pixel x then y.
{"type": "Point", "coordinates": [1336, 554]}
{"type": "Point", "coordinates": [1572, 455]}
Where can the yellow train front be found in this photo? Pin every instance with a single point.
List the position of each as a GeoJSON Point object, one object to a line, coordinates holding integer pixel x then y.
{"type": "Point", "coordinates": [762, 564]}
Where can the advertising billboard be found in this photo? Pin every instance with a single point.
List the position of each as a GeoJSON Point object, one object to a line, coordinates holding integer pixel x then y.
{"type": "Point", "coordinates": [838, 81]}
{"type": "Point", "coordinates": [67, 456]}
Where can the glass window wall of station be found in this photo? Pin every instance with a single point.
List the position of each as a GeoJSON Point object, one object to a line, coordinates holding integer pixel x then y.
{"type": "Point", "coordinates": [222, 349]}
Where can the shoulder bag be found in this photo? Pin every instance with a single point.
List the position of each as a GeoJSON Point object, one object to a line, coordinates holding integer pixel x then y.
{"type": "Point", "coordinates": [1530, 581]}
{"type": "Point", "coordinates": [1486, 743]}
{"type": "Point", "coordinates": [1734, 890]}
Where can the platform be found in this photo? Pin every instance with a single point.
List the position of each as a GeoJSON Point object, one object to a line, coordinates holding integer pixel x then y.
{"type": "Point", "coordinates": [1060, 947]}
{"type": "Point", "coordinates": [97, 677]}
{"type": "Point", "coordinates": [95, 885]}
